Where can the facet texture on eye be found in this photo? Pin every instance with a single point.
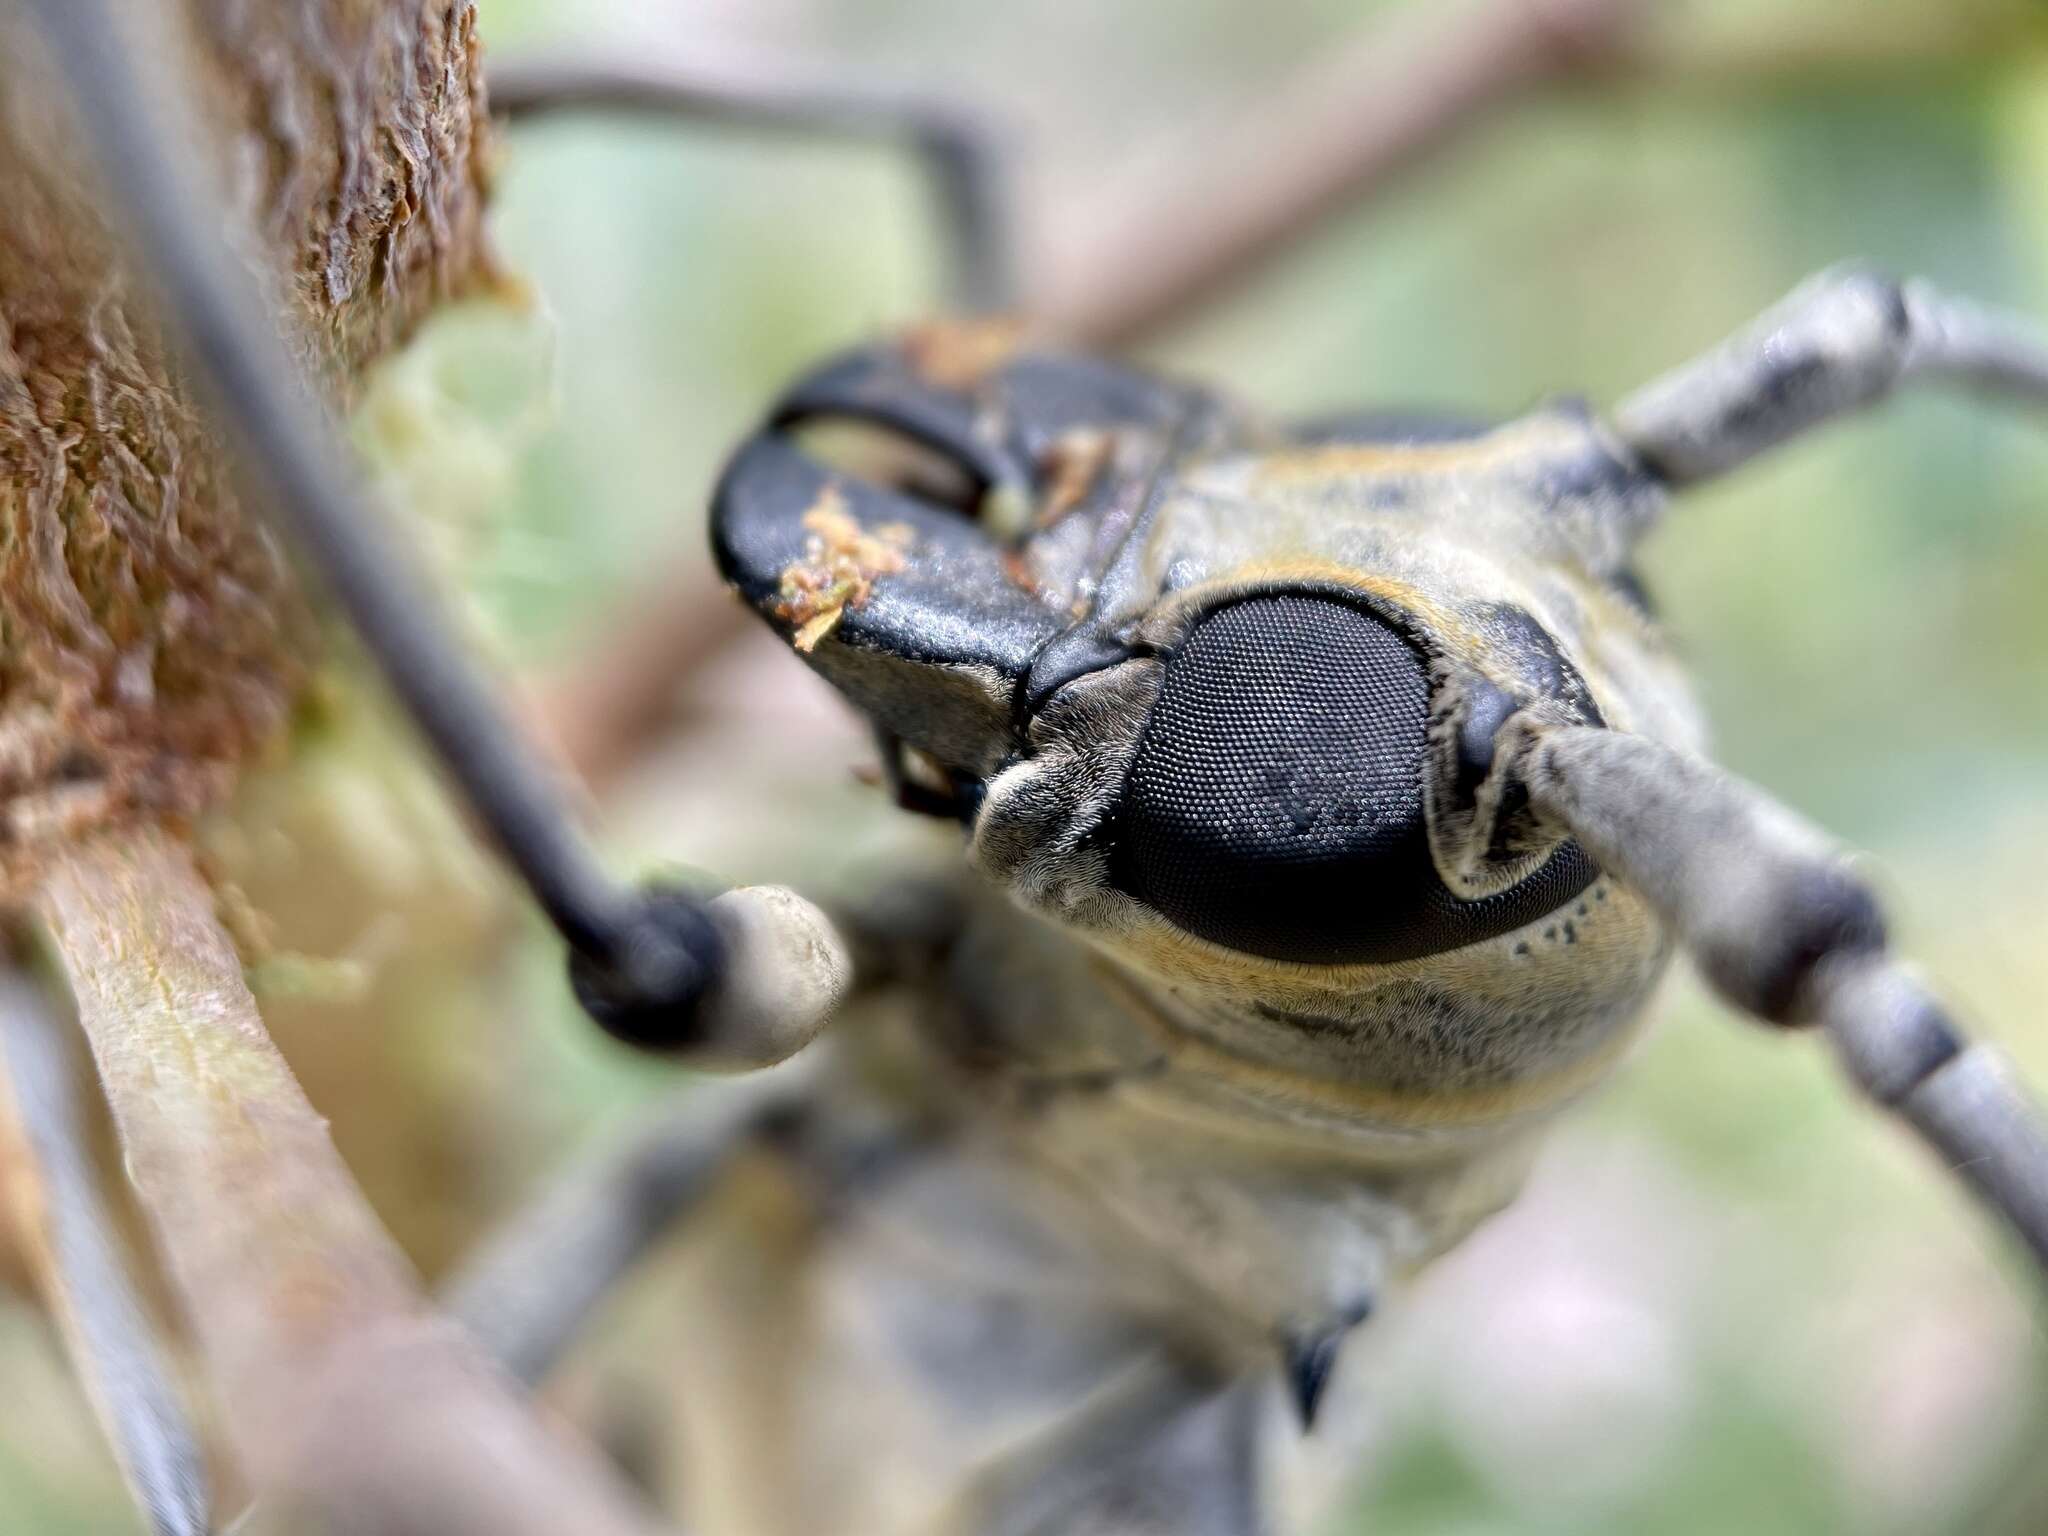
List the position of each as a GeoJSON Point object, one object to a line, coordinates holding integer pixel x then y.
{"type": "Point", "coordinates": [1275, 803]}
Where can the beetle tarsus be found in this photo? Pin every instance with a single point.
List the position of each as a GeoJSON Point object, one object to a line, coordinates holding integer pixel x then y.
{"type": "Point", "coordinates": [1309, 1359]}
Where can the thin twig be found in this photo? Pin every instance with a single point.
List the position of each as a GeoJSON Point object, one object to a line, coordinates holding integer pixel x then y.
{"type": "Point", "coordinates": [85, 1280]}
{"type": "Point", "coordinates": [1696, 53]}
{"type": "Point", "coordinates": [1234, 196]}
{"type": "Point", "coordinates": [349, 1400]}
{"type": "Point", "coordinates": [604, 707]}
{"type": "Point", "coordinates": [1169, 237]}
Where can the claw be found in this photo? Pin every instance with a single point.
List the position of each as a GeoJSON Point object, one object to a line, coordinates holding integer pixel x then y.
{"type": "Point", "coordinates": [1309, 1357]}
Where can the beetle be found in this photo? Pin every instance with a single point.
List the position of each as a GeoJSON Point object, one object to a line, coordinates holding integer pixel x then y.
{"type": "Point", "coordinates": [1342, 805]}
{"type": "Point", "coordinates": [1330, 805]}
{"type": "Point", "coordinates": [1333, 805]}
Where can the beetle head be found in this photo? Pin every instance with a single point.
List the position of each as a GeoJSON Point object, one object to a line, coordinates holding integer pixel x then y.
{"type": "Point", "coordinates": [1199, 685]}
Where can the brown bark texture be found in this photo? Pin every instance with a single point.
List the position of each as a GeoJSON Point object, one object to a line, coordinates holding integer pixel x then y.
{"type": "Point", "coordinates": [152, 638]}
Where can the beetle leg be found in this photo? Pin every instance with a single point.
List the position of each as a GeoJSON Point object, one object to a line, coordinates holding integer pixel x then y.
{"type": "Point", "coordinates": [1785, 929]}
{"type": "Point", "coordinates": [1166, 1451]}
{"type": "Point", "coordinates": [960, 157]}
{"type": "Point", "coordinates": [1842, 341]}
{"type": "Point", "coordinates": [103, 1323]}
{"type": "Point", "coordinates": [528, 1289]}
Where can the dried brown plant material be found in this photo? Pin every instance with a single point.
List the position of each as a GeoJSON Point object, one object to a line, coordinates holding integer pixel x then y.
{"type": "Point", "coordinates": [151, 636]}
{"type": "Point", "coordinates": [838, 568]}
{"type": "Point", "coordinates": [959, 353]}
{"type": "Point", "coordinates": [1072, 464]}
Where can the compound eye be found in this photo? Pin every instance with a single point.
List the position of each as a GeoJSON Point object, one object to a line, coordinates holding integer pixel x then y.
{"type": "Point", "coordinates": [1275, 803]}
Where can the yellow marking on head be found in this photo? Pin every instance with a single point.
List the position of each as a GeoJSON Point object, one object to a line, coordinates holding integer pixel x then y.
{"type": "Point", "coordinates": [1514, 442]}
{"type": "Point", "coordinates": [1441, 622]}
{"type": "Point", "coordinates": [958, 353]}
{"type": "Point", "coordinates": [1420, 1109]}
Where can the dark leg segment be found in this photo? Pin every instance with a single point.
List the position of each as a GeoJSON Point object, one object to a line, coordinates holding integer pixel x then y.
{"type": "Point", "coordinates": [959, 154]}
{"type": "Point", "coordinates": [527, 1291]}
{"type": "Point", "coordinates": [1783, 927]}
{"type": "Point", "coordinates": [1163, 1453]}
{"type": "Point", "coordinates": [1843, 341]}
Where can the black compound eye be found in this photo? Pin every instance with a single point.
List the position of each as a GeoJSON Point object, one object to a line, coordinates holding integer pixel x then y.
{"type": "Point", "coordinates": [1275, 804]}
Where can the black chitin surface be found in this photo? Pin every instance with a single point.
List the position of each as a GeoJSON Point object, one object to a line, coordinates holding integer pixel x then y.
{"type": "Point", "coordinates": [1275, 804]}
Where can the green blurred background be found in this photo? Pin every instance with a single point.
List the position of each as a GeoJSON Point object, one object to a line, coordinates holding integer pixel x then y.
{"type": "Point", "coordinates": [1730, 1301]}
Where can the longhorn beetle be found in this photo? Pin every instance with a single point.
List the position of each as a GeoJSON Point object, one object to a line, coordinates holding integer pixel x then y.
{"type": "Point", "coordinates": [1330, 806]}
